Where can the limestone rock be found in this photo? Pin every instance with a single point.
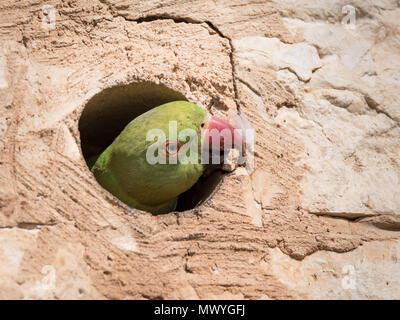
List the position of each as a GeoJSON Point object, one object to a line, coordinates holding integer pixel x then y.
{"type": "Point", "coordinates": [316, 215]}
{"type": "Point", "coordinates": [300, 58]}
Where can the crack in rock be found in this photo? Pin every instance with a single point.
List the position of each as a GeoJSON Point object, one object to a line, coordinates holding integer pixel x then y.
{"type": "Point", "coordinates": [29, 225]}
{"type": "Point", "coordinates": [151, 18]}
{"type": "Point", "coordinates": [353, 216]}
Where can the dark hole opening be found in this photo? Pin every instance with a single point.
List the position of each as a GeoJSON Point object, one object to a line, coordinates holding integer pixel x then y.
{"type": "Point", "coordinates": [107, 114]}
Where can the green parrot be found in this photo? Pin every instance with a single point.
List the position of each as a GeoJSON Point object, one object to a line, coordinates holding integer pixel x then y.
{"type": "Point", "coordinates": [124, 168]}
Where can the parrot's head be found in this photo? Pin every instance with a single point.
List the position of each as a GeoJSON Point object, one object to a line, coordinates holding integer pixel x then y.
{"type": "Point", "coordinates": [158, 156]}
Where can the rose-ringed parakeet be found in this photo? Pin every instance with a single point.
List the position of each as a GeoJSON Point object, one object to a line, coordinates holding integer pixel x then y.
{"type": "Point", "coordinates": [125, 170]}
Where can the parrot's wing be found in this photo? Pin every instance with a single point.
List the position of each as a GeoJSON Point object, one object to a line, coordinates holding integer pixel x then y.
{"type": "Point", "coordinates": [106, 179]}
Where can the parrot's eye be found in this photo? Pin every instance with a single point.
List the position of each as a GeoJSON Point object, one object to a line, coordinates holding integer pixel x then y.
{"type": "Point", "coordinates": [202, 125]}
{"type": "Point", "coordinates": [171, 148]}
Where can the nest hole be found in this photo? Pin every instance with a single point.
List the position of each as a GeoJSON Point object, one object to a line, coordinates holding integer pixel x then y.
{"type": "Point", "coordinates": [108, 112]}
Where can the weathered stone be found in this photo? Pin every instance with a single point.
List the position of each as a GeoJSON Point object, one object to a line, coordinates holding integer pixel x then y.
{"type": "Point", "coordinates": [315, 213]}
{"type": "Point", "coordinates": [300, 58]}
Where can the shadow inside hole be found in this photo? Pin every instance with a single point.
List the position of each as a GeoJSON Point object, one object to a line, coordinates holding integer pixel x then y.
{"type": "Point", "coordinates": [200, 192]}
{"type": "Point", "coordinates": [107, 114]}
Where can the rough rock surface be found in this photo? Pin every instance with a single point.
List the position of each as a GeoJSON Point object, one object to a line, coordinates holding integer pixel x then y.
{"type": "Point", "coordinates": [319, 217]}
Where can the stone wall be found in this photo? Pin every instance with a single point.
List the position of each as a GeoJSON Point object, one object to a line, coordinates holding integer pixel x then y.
{"type": "Point", "coordinates": [319, 217]}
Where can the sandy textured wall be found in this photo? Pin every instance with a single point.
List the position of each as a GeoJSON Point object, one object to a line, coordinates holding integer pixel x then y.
{"type": "Point", "coordinates": [319, 217]}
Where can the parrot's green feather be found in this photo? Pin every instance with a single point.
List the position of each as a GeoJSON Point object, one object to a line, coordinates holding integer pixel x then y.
{"type": "Point", "coordinates": [124, 171]}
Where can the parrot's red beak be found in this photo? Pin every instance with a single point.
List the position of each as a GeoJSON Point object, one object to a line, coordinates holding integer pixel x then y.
{"type": "Point", "coordinates": [223, 131]}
